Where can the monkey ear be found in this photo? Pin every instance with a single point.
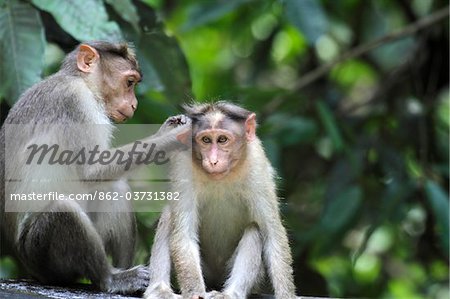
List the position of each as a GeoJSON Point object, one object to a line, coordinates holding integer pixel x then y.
{"type": "Point", "coordinates": [250, 127]}
{"type": "Point", "coordinates": [184, 137]}
{"type": "Point", "coordinates": [86, 58]}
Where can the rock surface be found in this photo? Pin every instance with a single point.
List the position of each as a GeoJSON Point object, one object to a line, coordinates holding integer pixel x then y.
{"type": "Point", "coordinates": [30, 289]}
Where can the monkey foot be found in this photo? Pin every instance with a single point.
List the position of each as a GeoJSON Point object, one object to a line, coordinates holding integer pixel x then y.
{"type": "Point", "coordinates": [129, 281]}
{"type": "Point", "coordinates": [217, 295]}
{"type": "Point", "coordinates": [160, 291]}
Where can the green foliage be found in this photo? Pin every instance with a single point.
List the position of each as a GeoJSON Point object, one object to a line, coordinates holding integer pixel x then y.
{"type": "Point", "coordinates": [438, 200]}
{"type": "Point", "coordinates": [202, 13]}
{"type": "Point", "coordinates": [84, 20]}
{"type": "Point", "coordinates": [127, 11]}
{"type": "Point", "coordinates": [330, 125]}
{"type": "Point", "coordinates": [8, 267]}
{"type": "Point", "coordinates": [309, 18]}
{"type": "Point", "coordinates": [362, 152]}
{"type": "Point", "coordinates": [21, 48]}
{"type": "Point", "coordinates": [171, 68]}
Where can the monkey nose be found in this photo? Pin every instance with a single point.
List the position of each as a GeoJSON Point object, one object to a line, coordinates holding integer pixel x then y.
{"type": "Point", "coordinates": [133, 107]}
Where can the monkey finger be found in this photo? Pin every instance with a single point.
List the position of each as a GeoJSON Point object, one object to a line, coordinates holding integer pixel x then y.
{"type": "Point", "coordinates": [185, 120]}
{"type": "Point", "coordinates": [177, 120]}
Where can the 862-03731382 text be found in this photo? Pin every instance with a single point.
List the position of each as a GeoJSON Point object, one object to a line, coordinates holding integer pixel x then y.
{"type": "Point", "coordinates": [97, 195]}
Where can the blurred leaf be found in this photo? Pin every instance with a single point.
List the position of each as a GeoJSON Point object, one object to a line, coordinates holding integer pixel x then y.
{"type": "Point", "coordinates": [22, 45]}
{"type": "Point", "coordinates": [273, 151]}
{"type": "Point", "coordinates": [395, 192]}
{"type": "Point", "coordinates": [367, 268]}
{"type": "Point", "coordinates": [150, 80]}
{"type": "Point", "coordinates": [148, 219]}
{"type": "Point", "coordinates": [288, 45]}
{"type": "Point", "coordinates": [349, 73]}
{"type": "Point", "coordinates": [199, 14]}
{"type": "Point", "coordinates": [351, 166]}
{"type": "Point", "coordinates": [84, 20]}
{"type": "Point", "coordinates": [340, 209]}
{"type": "Point", "coordinates": [167, 59]}
{"type": "Point", "coordinates": [438, 200]}
{"type": "Point", "coordinates": [443, 109]}
{"type": "Point", "coordinates": [403, 287]}
{"type": "Point", "coordinates": [387, 56]}
{"type": "Point", "coordinates": [148, 22]}
{"type": "Point", "coordinates": [127, 10]}
{"type": "Point", "coordinates": [412, 165]}
{"type": "Point", "coordinates": [150, 110]}
{"type": "Point", "coordinates": [331, 126]}
{"type": "Point", "coordinates": [441, 127]}
{"type": "Point", "coordinates": [8, 267]}
{"type": "Point", "coordinates": [308, 16]}
{"type": "Point", "coordinates": [154, 3]}
{"type": "Point", "coordinates": [290, 130]}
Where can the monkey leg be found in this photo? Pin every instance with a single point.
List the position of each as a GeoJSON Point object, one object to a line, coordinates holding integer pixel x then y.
{"type": "Point", "coordinates": [246, 266]}
{"type": "Point", "coordinates": [116, 225]}
{"type": "Point", "coordinates": [62, 245]}
{"type": "Point", "coordinates": [118, 233]}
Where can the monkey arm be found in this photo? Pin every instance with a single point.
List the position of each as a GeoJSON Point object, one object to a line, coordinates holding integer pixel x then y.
{"type": "Point", "coordinates": [160, 262]}
{"type": "Point", "coordinates": [276, 250]}
{"type": "Point", "coordinates": [160, 144]}
{"type": "Point", "coordinates": [185, 248]}
{"type": "Point", "coordinates": [279, 260]}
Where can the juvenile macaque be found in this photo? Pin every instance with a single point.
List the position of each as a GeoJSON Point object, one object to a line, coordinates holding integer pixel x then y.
{"type": "Point", "coordinates": [225, 233]}
{"type": "Point", "coordinates": [77, 108]}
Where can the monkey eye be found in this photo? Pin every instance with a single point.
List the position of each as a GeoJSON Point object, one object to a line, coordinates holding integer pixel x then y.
{"type": "Point", "coordinates": [206, 139]}
{"type": "Point", "coordinates": [130, 82]}
{"type": "Point", "coordinates": [222, 139]}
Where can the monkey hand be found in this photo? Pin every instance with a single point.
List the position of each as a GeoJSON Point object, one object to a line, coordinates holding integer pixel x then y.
{"type": "Point", "coordinates": [174, 122]}
{"type": "Point", "coordinates": [177, 129]}
{"type": "Point", "coordinates": [128, 281]}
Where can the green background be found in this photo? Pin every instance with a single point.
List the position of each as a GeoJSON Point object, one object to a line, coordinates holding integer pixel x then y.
{"type": "Point", "coordinates": [360, 142]}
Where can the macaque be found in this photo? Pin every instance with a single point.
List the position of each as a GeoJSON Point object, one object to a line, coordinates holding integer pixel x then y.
{"type": "Point", "coordinates": [77, 107]}
{"type": "Point", "coordinates": [225, 233]}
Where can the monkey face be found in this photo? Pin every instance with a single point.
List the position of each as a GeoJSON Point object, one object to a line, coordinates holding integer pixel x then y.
{"type": "Point", "coordinates": [220, 142]}
{"type": "Point", "coordinates": [119, 97]}
{"type": "Point", "coordinates": [113, 79]}
{"type": "Point", "coordinates": [216, 148]}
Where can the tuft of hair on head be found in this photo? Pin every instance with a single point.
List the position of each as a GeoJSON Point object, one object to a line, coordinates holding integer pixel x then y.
{"type": "Point", "coordinates": [196, 110]}
{"type": "Point", "coordinates": [105, 49]}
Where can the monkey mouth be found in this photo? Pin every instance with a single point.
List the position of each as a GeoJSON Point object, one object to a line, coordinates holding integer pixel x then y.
{"type": "Point", "coordinates": [217, 175]}
{"type": "Point", "coordinates": [123, 116]}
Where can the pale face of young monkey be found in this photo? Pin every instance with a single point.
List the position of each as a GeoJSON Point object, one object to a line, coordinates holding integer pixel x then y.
{"type": "Point", "coordinates": [219, 142]}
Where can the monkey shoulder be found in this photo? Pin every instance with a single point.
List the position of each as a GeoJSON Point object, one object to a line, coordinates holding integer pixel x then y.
{"type": "Point", "coordinates": [258, 169]}
{"type": "Point", "coordinates": [57, 99]}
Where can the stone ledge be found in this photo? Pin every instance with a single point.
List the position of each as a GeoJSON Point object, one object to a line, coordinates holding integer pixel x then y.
{"type": "Point", "coordinates": [30, 289]}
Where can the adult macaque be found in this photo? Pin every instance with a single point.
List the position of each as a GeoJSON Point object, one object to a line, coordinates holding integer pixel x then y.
{"type": "Point", "coordinates": [225, 232]}
{"type": "Point", "coordinates": [77, 108]}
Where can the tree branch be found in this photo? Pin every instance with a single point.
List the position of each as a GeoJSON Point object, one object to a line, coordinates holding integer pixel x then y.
{"type": "Point", "coordinates": [358, 51]}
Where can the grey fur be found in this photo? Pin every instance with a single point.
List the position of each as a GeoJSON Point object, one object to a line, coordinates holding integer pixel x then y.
{"type": "Point", "coordinates": [223, 235]}
{"type": "Point", "coordinates": [65, 242]}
